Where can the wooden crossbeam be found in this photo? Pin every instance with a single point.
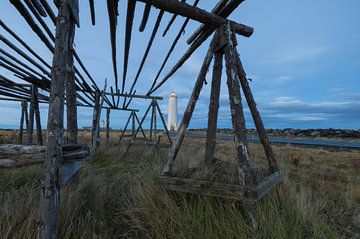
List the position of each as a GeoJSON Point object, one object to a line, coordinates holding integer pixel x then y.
{"type": "Point", "coordinates": [198, 14]}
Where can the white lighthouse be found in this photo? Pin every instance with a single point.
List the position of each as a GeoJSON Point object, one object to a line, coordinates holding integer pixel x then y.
{"type": "Point", "coordinates": [172, 112]}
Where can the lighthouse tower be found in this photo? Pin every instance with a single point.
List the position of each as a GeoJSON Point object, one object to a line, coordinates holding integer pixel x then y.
{"type": "Point", "coordinates": [172, 112]}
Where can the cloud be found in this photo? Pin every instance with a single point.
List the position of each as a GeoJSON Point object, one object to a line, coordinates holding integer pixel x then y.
{"type": "Point", "coordinates": [283, 79]}
{"type": "Point", "coordinates": [297, 54]}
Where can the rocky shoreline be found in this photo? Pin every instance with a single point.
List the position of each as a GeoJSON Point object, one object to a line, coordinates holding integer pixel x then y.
{"type": "Point", "coordinates": [313, 133]}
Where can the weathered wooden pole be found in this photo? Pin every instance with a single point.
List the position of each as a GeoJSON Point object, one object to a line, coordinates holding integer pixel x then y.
{"type": "Point", "coordinates": [71, 106]}
{"type": "Point", "coordinates": [107, 125]}
{"type": "Point", "coordinates": [245, 174]}
{"type": "Point", "coordinates": [133, 124]}
{"type": "Point", "coordinates": [213, 109]}
{"type": "Point", "coordinates": [174, 149]}
{"type": "Point", "coordinates": [126, 125]}
{"type": "Point", "coordinates": [31, 118]}
{"type": "Point", "coordinates": [256, 115]}
{"type": "Point", "coordinates": [163, 122]}
{"type": "Point", "coordinates": [37, 116]}
{"type": "Point", "coordinates": [94, 124]}
{"type": "Point", "coordinates": [152, 119]}
{"type": "Point", "coordinates": [22, 118]}
{"type": "Point", "coordinates": [50, 192]}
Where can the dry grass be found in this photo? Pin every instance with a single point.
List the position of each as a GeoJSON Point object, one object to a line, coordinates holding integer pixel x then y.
{"type": "Point", "coordinates": [118, 196]}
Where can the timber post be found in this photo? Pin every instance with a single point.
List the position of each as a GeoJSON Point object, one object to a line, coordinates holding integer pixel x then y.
{"type": "Point", "coordinates": [22, 118]}
{"type": "Point", "coordinates": [31, 117]}
{"type": "Point", "coordinates": [213, 109]}
{"type": "Point", "coordinates": [71, 107]}
{"type": "Point", "coordinates": [95, 122]}
{"type": "Point", "coordinates": [37, 116]}
{"type": "Point", "coordinates": [50, 192]}
{"type": "Point", "coordinates": [107, 125]}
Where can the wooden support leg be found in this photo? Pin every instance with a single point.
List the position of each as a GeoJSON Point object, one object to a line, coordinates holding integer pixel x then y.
{"type": "Point", "coordinates": [245, 173]}
{"type": "Point", "coordinates": [71, 107]}
{"type": "Point", "coordinates": [23, 111]}
{"type": "Point", "coordinates": [50, 192]}
{"type": "Point", "coordinates": [126, 125]}
{"type": "Point", "coordinates": [37, 116]}
{"type": "Point", "coordinates": [174, 149]}
{"type": "Point", "coordinates": [31, 118]}
{"type": "Point", "coordinates": [94, 124]}
{"type": "Point", "coordinates": [107, 125]}
{"type": "Point", "coordinates": [256, 115]}
{"type": "Point", "coordinates": [213, 109]}
{"type": "Point", "coordinates": [133, 125]}
{"type": "Point", "coordinates": [163, 122]}
{"type": "Point", "coordinates": [154, 122]}
{"type": "Point", "coordinates": [152, 119]}
{"type": "Point", "coordinates": [140, 127]}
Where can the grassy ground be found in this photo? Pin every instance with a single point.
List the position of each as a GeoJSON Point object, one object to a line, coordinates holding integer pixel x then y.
{"type": "Point", "coordinates": [118, 196]}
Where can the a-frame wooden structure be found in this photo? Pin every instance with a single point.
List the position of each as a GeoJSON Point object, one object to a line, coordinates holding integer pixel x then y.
{"type": "Point", "coordinates": [248, 190]}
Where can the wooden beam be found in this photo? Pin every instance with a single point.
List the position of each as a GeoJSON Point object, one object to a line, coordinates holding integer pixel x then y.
{"type": "Point", "coordinates": [50, 192]}
{"type": "Point", "coordinates": [39, 7]}
{"type": "Point", "coordinates": [112, 6]}
{"type": "Point", "coordinates": [35, 95]}
{"type": "Point", "coordinates": [233, 4]}
{"type": "Point", "coordinates": [145, 17]}
{"type": "Point", "coordinates": [22, 118]}
{"type": "Point", "coordinates": [71, 106]}
{"type": "Point", "coordinates": [107, 125]}
{"type": "Point", "coordinates": [215, 10]}
{"type": "Point", "coordinates": [267, 184]}
{"type": "Point", "coordinates": [94, 124]}
{"type": "Point", "coordinates": [198, 14]}
{"type": "Point", "coordinates": [92, 11]}
{"type": "Point", "coordinates": [213, 189]}
{"type": "Point", "coordinates": [163, 122]}
{"type": "Point", "coordinates": [31, 117]}
{"type": "Point", "coordinates": [189, 110]}
{"type": "Point", "coordinates": [28, 18]}
{"type": "Point", "coordinates": [128, 30]}
{"type": "Point", "coordinates": [171, 21]}
{"type": "Point", "coordinates": [213, 109]}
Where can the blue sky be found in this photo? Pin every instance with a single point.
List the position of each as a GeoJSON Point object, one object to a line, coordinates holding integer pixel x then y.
{"type": "Point", "coordinates": [303, 58]}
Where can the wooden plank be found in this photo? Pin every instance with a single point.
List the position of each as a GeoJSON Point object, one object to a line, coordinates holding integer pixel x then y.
{"type": "Point", "coordinates": [213, 109]}
{"type": "Point", "coordinates": [75, 154]}
{"type": "Point", "coordinates": [68, 170]}
{"type": "Point", "coordinates": [189, 110]}
{"type": "Point", "coordinates": [213, 189]}
{"type": "Point", "coordinates": [50, 192]}
{"type": "Point", "coordinates": [269, 183]}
